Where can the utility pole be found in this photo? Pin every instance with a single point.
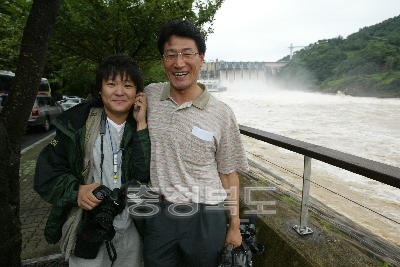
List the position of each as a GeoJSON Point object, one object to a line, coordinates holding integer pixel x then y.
{"type": "Point", "coordinates": [291, 50]}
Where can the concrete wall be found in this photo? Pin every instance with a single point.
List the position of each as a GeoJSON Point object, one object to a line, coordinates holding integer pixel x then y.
{"type": "Point", "coordinates": [339, 244]}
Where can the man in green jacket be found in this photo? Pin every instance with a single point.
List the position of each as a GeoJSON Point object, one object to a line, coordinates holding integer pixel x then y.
{"type": "Point", "coordinates": [98, 142]}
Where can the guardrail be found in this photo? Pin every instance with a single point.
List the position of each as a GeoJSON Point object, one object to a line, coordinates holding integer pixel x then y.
{"type": "Point", "coordinates": [377, 171]}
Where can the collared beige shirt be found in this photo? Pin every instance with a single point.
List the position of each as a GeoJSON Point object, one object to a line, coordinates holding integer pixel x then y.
{"type": "Point", "coordinates": [191, 144]}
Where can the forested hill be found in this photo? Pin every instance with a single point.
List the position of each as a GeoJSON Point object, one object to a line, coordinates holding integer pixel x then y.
{"type": "Point", "coordinates": [367, 63]}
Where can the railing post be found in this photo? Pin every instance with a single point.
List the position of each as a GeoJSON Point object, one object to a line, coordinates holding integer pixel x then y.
{"type": "Point", "coordinates": [303, 229]}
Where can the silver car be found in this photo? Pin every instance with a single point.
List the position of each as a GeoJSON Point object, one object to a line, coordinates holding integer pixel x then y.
{"type": "Point", "coordinates": [70, 102]}
{"type": "Point", "coordinates": [44, 111]}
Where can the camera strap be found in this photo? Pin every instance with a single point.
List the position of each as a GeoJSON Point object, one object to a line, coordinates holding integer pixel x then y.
{"type": "Point", "coordinates": [103, 129]}
{"type": "Point", "coordinates": [102, 133]}
{"type": "Point", "coordinates": [110, 246]}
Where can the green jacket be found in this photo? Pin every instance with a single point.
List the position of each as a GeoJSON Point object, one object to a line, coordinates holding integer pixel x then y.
{"type": "Point", "coordinates": [60, 164]}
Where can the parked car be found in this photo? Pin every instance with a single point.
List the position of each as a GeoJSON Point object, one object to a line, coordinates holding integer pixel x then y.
{"type": "Point", "coordinates": [44, 111]}
{"type": "Point", "coordinates": [65, 98]}
{"type": "Point", "coordinates": [61, 101]}
{"type": "Point", "coordinates": [71, 102]}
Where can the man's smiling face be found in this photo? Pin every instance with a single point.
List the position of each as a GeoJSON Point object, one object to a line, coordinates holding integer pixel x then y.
{"type": "Point", "coordinates": [118, 96]}
{"type": "Point", "coordinates": [181, 73]}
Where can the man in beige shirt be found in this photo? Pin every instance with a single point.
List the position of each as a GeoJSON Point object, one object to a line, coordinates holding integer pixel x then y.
{"type": "Point", "coordinates": [196, 150]}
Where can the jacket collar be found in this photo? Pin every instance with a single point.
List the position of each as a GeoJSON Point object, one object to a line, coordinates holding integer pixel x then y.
{"type": "Point", "coordinates": [76, 117]}
{"type": "Point", "coordinates": [201, 102]}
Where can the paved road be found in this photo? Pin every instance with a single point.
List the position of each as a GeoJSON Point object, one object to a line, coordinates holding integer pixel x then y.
{"type": "Point", "coordinates": [33, 135]}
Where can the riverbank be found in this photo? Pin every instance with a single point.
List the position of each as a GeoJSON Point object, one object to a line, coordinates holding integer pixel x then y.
{"type": "Point", "coordinates": [380, 85]}
{"type": "Point", "coordinates": [355, 92]}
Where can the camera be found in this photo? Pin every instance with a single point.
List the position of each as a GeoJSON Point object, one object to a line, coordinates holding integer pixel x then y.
{"type": "Point", "coordinates": [241, 256]}
{"type": "Point", "coordinates": [97, 224]}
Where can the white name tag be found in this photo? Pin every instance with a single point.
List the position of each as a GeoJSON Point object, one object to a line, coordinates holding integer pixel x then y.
{"type": "Point", "coordinates": [202, 134]}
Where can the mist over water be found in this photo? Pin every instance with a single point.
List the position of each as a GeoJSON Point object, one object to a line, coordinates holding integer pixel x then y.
{"type": "Point", "coordinates": [363, 126]}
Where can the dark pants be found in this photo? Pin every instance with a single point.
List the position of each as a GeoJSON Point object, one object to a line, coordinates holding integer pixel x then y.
{"type": "Point", "coordinates": [190, 240]}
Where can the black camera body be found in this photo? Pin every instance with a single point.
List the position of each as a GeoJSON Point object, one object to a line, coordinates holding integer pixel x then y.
{"type": "Point", "coordinates": [242, 255]}
{"type": "Point", "coordinates": [97, 224]}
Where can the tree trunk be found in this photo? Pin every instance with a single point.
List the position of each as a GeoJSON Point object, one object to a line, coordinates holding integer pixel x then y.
{"type": "Point", "coordinates": [13, 122]}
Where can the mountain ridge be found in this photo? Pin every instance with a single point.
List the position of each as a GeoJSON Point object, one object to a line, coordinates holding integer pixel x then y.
{"type": "Point", "coordinates": [366, 63]}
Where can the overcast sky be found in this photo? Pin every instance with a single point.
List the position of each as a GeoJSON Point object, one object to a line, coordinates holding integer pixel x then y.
{"type": "Point", "coordinates": [262, 30]}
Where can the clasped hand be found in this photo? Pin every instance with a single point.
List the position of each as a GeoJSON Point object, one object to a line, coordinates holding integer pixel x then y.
{"type": "Point", "coordinates": [86, 200]}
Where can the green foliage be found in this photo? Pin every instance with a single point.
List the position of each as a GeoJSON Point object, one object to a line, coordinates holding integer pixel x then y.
{"type": "Point", "coordinates": [262, 182]}
{"type": "Point", "coordinates": [80, 75]}
{"type": "Point", "coordinates": [367, 63]}
{"type": "Point", "coordinates": [390, 64]}
{"type": "Point", "coordinates": [326, 225]}
{"type": "Point", "coordinates": [394, 40]}
{"type": "Point", "coordinates": [155, 73]}
{"type": "Point", "coordinates": [287, 58]}
{"type": "Point", "coordinates": [296, 75]}
{"type": "Point", "coordinates": [287, 199]}
{"type": "Point", "coordinates": [383, 264]}
{"type": "Point", "coordinates": [328, 229]}
{"type": "Point", "coordinates": [323, 63]}
{"type": "Point", "coordinates": [13, 16]}
{"type": "Point", "coordinates": [88, 31]}
{"type": "Point", "coordinates": [389, 27]}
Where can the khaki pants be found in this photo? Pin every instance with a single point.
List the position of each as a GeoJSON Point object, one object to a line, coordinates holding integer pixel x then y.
{"type": "Point", "coordinates": [129, 252]}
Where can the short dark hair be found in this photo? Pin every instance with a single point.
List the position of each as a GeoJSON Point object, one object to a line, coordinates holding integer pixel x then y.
{"type": "Point", "coordinates": [121, 64]}
{"type": "Point", "coordinates": [181, 28]}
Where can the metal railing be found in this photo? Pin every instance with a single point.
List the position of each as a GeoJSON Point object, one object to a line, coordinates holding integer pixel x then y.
{"type": "Point", "coordinates": [381, 172]}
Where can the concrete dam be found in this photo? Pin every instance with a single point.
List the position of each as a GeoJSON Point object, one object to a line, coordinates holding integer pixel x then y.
{"type": "Point", "coordinates": [224, 72]}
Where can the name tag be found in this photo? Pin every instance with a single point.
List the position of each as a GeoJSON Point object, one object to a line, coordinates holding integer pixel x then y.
{"type": "Point", "coordinates": [202, 134]}
{"type": "Point", "coordinates": [115, 159]}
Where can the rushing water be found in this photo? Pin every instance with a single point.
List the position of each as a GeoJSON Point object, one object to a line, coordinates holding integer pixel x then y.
{"type": "Point", "coordinates": [361, 126]}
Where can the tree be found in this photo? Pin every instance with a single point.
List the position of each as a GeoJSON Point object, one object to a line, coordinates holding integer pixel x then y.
{"type": "Point", "coordinates": [88, 31]}
{"type": "Point", "coordinates": [389, 65]}
{"type": "Point", "coordinates": [95, 29]}
{"type": "Point", "coordinates": [13, 122]}
{"type": "Point", "coordinates": [12, 21]}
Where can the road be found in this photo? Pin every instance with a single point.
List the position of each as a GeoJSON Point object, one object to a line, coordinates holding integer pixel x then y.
{"type": "Point", "coordinates": [33, 135]}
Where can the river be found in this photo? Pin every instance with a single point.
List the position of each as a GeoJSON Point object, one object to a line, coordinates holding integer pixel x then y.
{"type": "Point", "coordinates": [363, 126]}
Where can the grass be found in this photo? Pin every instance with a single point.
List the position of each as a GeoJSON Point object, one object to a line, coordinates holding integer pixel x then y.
{"type": "Point", "coordinates": [326, 227]}
{"type": "Point", "coordinates": [287, 199]}
{"type": "Point", "coordinates": [262, 182]}
{"type": "Point", "coordinates": [383, 264]}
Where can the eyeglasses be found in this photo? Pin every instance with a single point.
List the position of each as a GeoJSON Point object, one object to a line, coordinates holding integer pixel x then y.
{"type": "Point", "coordinates": [186, 56]}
